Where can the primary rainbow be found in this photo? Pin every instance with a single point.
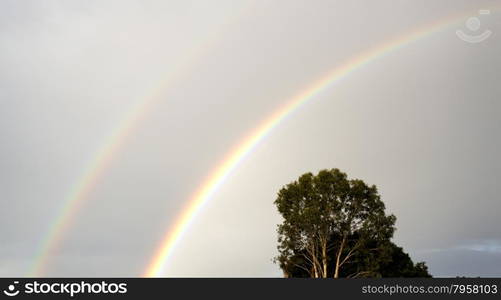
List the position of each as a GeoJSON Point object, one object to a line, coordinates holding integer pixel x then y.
{"type": "Point", "coordinates": [103, 157]}
{"type": "Point", "coordinates": [237, 155]}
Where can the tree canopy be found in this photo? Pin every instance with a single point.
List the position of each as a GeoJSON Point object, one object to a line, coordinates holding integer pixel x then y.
{"type": "Point", "coordinates": [337, 227]}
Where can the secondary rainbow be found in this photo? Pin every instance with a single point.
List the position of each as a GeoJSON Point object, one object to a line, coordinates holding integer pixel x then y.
{"type": "Point", "coordinates": [245, 147]}
{"type": "Point", "coordinates": [116, 139]}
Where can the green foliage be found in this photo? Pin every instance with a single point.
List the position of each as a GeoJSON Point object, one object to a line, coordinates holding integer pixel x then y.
{"type": "Point", "coordinates": [383, 259]}
{"type": "Point", "coordinates": [337, 227]}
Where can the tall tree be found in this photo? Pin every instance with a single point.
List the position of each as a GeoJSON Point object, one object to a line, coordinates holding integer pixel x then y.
{"type": "Point", "coordinates": [329, 220]}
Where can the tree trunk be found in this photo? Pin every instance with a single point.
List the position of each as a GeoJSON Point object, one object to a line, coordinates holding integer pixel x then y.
{"type": "Point", "coordinates": [338, 257]}
{"type": "Point", "coordinates": [314, 261]}
{"type": "Point", "coordinates": [324, 259]}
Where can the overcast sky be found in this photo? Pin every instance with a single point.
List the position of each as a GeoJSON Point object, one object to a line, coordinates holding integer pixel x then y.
{"type": "Point", "coordinates": [421, 123]}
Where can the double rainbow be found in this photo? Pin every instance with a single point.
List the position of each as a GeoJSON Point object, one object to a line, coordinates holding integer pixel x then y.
{"type": "Point", "coordinates": [103, 157]}
{"type": "Point", "coordinates": [231, 161]}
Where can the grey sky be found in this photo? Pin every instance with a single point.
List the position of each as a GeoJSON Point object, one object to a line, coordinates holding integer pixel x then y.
{"type": "Point", "coordinates": [421, 123]}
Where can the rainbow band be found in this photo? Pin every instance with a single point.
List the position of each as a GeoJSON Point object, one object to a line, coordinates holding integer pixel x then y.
{"type": "Point", "coordinates": [84, 186]}
{"type": "Point", "coordinates": [102, 159]}
{"type": "Point", "coordinates": [235, 157]}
